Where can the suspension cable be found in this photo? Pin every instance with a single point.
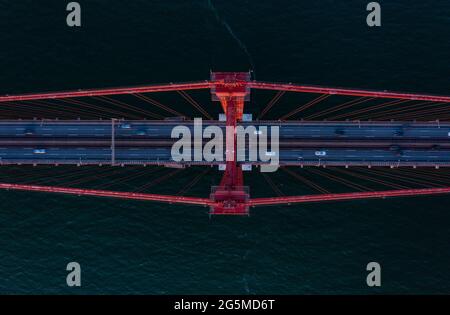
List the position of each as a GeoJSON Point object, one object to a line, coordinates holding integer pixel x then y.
{"type": "Point", "coordinates": [306, 181]}
{"type": "Point", "coordinates": [157, 104]}
{"type": "Point", "coordinates": [339, 107]}
{"type": "Point", "coordinates": [305, 106]}
{"type": "Point", "coordinates": [272, 102]}
{"type": "Point", "coordinates": [191, 101]}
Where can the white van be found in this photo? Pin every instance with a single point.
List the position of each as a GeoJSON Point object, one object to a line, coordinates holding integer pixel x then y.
{"type": "Point", "coordinates": [321, 153]}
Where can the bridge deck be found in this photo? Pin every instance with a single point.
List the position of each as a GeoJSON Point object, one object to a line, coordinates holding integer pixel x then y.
{"type": "Point", "coordinates": [150, 142]}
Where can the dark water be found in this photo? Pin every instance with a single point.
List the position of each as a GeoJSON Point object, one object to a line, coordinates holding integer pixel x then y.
{"type": "Point", "coordinates": [138, 247]}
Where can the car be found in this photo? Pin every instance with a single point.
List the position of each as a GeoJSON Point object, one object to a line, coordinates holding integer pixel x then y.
{"type": "Point", "coordinates": [435, 147]}
{"type": "Point", "coordinates": [176, 118]}
{"type": "Point", "coordinates": [258, 132]}
{"type": "Point", "coordinates": [320, 153]}
{"type": "Point", "coordinates": [271, 153]}
{"type": "Point", "coordinates": [141, 133]}
{"type": "Point", "coordinates": [340, 132]}
{"type": "Point", "coordinates": [29, 132]}
{"type": "Point", "coordinates": [39, 151]}
{"type": "Point", "coordinates": [125, 126]}
{"type": "Point", "coordinates": [394, 148]}
{"type": "Point", "coordinates": [448, 134]}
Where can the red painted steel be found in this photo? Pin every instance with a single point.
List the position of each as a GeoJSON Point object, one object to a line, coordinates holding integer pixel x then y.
{"type": "Point", "coordinates": [347, 196]}
{"type": "Point", "coordinates": [350, 92]}
{"type": "Point", "coordinates": [222, 84]}
{"type": "Point", "coordinates": [250, 202]}
{"type": "Point", "coordinates": [111, 194]}
{"type": "Point", "coordinates": [232, 89]}
{"type": "Point", "coordinates": [109, 91]}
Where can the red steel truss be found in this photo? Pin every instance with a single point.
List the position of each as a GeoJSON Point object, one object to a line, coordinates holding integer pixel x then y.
{"type": "Point", "coordinates": [111, 194]}
{"type": "Point", "coordinates": [231, 89]}
{"type": "Point", "coordinates": [231, 196]}
{"type": "Point", "coordinates": [238, 85]}
{"type": "Point", "coordinates": [109, 91]}
{"type": "Point", "coordinates": [219, 204]}
{"type": "Point", "coordinates": [349, 92]}
{"type": "Point", "coordinates": [347, 196]}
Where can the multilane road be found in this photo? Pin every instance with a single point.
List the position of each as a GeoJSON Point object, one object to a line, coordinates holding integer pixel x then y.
{"type": "Point", "coordinates": [150, 142]}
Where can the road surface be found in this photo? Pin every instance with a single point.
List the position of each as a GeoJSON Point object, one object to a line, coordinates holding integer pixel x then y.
{"type": "Point", "coordinates": [150, 142]}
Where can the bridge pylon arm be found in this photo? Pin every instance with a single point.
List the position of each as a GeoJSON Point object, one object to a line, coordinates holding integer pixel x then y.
{"type": "Point", "coordinates": [229, 194]}
{"type": "Point", "coordinates": [288, 87]}
{"type": "Point", "coordinates": [347, 196]}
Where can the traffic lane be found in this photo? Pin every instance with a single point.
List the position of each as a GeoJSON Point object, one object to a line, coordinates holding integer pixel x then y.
{"type": "Point", "coordinates": [54, 130]}
{"type": "Point", "coordinates": [346, 155]}
{"type": "Point", "coordinates": [364, 132]}
{"type": "Point", "coordinates": [432, 144]}
{"type": "Point", "coordinates": [164, 155]}
{"type": "Point", "coordinates": [84, 154]}
{"type": "Point", "coordinates": [83, 129]}
{"type": "Point", "coordinates": [161, 131]}
{"type": "Point", "coordinates": [364, 155]}
{"type": "Point", "coordinates": [164, 129]}
{"type": "Point", "coordinates": [75, 130]}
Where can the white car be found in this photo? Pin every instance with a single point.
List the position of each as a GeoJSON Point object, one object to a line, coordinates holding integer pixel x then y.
{"type": "Point", "coordinates": [271, 153]}
{"type": "Point", "coordinates": [39, 151]}
{"type": "Point", "coordinates": [125, 126]}
{"type": "Point", "coordinates": [321, 153]}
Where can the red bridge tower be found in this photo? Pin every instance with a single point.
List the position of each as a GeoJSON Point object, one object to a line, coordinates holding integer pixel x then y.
{"type": "Point", "coordinates": [231, 90]}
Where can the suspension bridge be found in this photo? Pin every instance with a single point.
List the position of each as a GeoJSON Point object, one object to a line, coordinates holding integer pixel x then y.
{"type": "Point", "coordinates": [406, 140]}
